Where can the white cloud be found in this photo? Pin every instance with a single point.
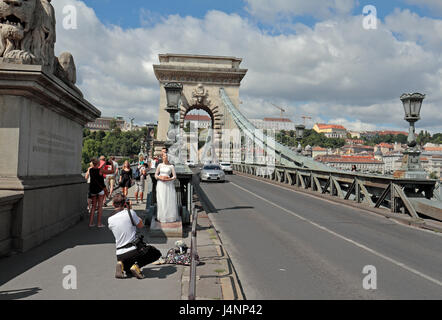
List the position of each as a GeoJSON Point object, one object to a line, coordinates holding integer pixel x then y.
{"type": "Point", "coordinates": [335, 70]}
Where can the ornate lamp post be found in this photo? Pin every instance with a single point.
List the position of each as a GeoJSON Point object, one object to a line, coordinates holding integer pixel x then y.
{"type": "Point", "coordinates": [173, 96]}
{"type": "Point", "coordinates": [299, 135]}
{"type": "Point", "coordinates": [149, 138]}
{"type": "Point", "coordinates": [411, 165]}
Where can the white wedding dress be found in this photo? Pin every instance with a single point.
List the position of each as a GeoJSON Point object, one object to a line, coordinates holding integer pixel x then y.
{"type": "Point", "coordinates": [167, 209]}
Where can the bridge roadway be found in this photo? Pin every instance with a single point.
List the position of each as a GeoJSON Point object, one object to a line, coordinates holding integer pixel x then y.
{"type": "Point", "coordinates": [289, 245]}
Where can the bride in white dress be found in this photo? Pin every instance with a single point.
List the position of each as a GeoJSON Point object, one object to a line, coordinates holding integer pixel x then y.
{"type": "Point", "coordinates": [167, 210]}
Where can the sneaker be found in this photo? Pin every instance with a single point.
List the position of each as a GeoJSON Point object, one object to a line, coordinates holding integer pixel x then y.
{"type": "Point", "coordinates": [119, 270]}
{"type": "Point", "coordinates": [135, 269]}
{"type": "Point", "coordinates": [101, 226]}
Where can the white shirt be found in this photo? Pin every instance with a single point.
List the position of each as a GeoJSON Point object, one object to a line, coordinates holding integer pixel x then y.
{"type": "Point", "coordinates": [153, 164]}
{"type": "Point", "coordinates": [123, 230]}
{"type": "Point", "coordinates": [115, 169]}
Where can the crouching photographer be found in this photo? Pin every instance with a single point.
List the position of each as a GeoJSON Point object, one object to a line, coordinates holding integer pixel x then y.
{"type": "Point", "coordinates": [132, 252]}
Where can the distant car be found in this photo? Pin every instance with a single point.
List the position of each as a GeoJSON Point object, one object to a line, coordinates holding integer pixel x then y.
{"type": "Point", "coordinates": [226, 167]}
{"type": "Point", "coordinates": [212, 172]}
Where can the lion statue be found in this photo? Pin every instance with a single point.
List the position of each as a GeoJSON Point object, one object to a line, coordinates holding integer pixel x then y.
{"type": "Point", "coordinates": [27, 36]}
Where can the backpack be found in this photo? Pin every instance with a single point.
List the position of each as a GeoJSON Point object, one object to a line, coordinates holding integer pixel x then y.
{"type": "Point", "coordinates": [137, 174]}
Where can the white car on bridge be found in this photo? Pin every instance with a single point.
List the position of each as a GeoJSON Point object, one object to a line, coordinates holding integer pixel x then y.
{"type": "Point", "coordinates": [226, 167]}
{"type": "Point", "coordinates": [212, 172]}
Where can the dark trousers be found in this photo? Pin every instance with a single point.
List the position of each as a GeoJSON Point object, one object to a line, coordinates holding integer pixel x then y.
{"type": "Point", "coordinates": [141, 258]}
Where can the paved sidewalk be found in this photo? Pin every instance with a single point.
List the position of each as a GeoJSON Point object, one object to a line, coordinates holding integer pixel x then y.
{"type": "Point", "coordinates": [38, 274]}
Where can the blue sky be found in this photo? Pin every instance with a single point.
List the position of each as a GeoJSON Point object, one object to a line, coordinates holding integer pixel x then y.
{"type": "Point", "coordinates": [128, 14]}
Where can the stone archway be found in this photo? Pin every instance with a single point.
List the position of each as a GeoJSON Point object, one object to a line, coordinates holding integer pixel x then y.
{"type": "Point", "coordinates": [200, 101]}
{"type": "Point", "coordinates": [185, 112]}
{"type": "Point", "coordinates": [201, 77]}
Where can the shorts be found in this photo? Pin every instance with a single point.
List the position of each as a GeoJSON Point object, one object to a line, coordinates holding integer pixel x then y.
{"type": "Point", "coordinates": [99, 194]}
{"type": "Point", "coordinates": [139, 186]}
{"type": "Point", "coordinates": [111, 180]}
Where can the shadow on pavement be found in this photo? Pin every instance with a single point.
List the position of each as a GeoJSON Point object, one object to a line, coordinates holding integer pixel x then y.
{"type": "Point", "coordinates": [78, 235]}
{"type": "Point", "coordinates": [18, 294]}
{"type": "Point", "coordinates": [237, 208]}
{"type": "Point", "coordinates": [160, 272]}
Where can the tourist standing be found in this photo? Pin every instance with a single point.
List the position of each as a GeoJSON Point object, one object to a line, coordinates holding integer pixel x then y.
{"type": "Point", "coordinates": [140, 182]}
{"type": "Point", "coordinates": [102, 161]}
{"type": "Point", "coordinates": [111, 177]}
{"type": "Point", "coordinates": [141, 160]}
{"type": "Point", "coordinates": [88, 178]}
{"type": "Point", "coordinates": [126, 178]}
{"type": "Point", "coordinates": [97, 191]}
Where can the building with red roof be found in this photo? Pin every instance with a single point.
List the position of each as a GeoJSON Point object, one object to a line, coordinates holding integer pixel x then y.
{"type": "Point", "coordinates": [198, 120]}
{"type": "Point", "coordinates": [384, 147]}
{"type": "Point", "coordinates": [331, 130]}
{"type": "Point", "coordinates": [363, 163]}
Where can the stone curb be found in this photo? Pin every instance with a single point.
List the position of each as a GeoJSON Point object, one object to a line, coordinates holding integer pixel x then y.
{"type": "Point", "coordinates": [417, 223]}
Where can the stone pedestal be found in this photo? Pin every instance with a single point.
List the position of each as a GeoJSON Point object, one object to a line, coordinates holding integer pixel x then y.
{"type": "Point", "coordinates": [411, 166]}
{"type": "Point", "coordinates": [167, 230]}
{"type": "Point", "coordinates": [41, 133]}
{"type": "Point", "coordinates": [184, 191]}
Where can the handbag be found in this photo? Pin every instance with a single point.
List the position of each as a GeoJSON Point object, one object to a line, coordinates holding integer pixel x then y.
{"type": "Point", "coordinates": [174, 256]}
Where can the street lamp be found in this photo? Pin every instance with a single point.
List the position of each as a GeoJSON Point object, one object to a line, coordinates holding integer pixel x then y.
{"type": "Point", "coordinates": [411, 165]}
{"type": "Point", "coordinates": [299, 135]}
{"type": "Point", "coordinates": [412, 107]}
{"type": "Point", "coordinates": [173, 96]}
{"type": "Point", "coordinates": [150, 136]}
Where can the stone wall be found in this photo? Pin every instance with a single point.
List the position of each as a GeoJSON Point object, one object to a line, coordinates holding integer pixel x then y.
{"type": "Point", "coordinates": [41, 132]}
{"type": "Point", "coordinates": [8, 213]}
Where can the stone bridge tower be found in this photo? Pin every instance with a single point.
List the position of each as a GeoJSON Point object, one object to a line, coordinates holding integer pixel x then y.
{"type": "Point", "coordinates": [202, 76]}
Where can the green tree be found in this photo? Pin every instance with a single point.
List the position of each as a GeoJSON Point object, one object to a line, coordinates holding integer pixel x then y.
{"type": "Point", "coordinates": [91, 149]}
{"type": "Point", "coordinates": [113, 124]}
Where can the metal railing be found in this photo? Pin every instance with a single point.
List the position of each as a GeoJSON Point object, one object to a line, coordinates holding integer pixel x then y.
{"type": "Point", "coordinates": [193, 254]}
{"type": "Point", "coordinates": [414, 197]}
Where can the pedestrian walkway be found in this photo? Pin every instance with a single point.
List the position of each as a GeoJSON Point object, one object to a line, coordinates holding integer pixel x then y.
{"type": "Point", "coordinates": [39, 273]}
